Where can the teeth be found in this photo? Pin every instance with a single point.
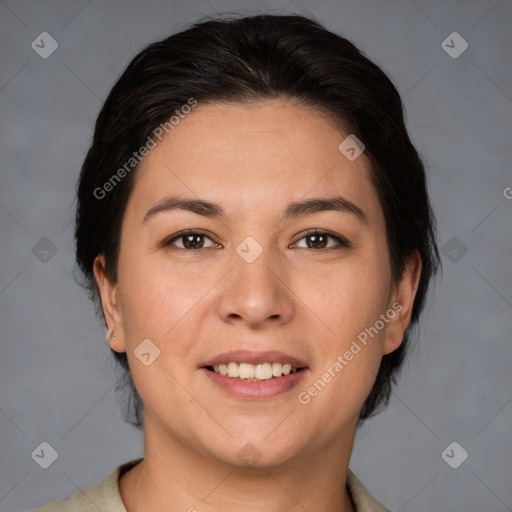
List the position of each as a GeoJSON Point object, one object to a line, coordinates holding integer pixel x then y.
{"type": "Point", "coordinates": [277, 369]}
{"type": "Point", "coordinates": [247, 371]}
{"type": "Point", "coordinates": [262, 371]}
{"type": "Point", "coordinates": [233, 370]}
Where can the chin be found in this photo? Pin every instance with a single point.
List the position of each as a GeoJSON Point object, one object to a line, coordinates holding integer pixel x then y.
{"type": "Point", "coordinates": [255, 451]}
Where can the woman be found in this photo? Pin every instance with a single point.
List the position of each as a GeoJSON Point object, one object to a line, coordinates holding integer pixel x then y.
{"type": "Point", "coordinates": [254, 220]}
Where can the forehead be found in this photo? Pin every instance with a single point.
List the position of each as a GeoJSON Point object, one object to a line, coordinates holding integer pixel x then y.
{"type": "Point", "coordinates": [262, 153]}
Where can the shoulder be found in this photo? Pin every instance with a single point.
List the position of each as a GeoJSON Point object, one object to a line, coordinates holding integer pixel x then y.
{"type": "Point", "coordinates": [102, 496]}
{"type": "Point", "coordinates": [363, 500]}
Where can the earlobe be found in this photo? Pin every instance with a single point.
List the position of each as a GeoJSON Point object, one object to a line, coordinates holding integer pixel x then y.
{"type": "Point", "coordinates": [108, 296]}
{"type": "Point", "coordinates": [403, 302]}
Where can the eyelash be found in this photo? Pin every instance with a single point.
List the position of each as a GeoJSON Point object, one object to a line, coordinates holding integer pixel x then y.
{"type": "Point", "coordinates": [341, 241]}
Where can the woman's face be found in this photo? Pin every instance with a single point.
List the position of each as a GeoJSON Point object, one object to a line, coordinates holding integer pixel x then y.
{"type": "Point", "coordinates": [268, 268]}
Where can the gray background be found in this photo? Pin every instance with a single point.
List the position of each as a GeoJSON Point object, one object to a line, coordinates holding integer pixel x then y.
{"type": "Point", "coordinates": [56, 376]}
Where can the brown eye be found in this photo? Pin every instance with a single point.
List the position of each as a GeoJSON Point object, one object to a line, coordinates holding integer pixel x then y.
{"type": "Point", "coordinates": [316, 241]}
{"type": "Point", "coordinates": [191, 240]}
{"type": "Point", "coordinates": [322, 240]}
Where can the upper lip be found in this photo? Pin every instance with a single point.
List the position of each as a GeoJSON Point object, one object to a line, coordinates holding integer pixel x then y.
{"type": "Point", "coordinates": [246, 356]}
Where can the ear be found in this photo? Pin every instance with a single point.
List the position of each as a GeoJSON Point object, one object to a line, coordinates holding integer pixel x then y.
{"type": "Point", "coordinates": [402, 303]}
{"type": "Point", "coordinates": [109, 304]}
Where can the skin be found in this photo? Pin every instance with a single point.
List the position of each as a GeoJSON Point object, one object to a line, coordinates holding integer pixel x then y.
{"type": "Point", "coordinates": [308, 301]}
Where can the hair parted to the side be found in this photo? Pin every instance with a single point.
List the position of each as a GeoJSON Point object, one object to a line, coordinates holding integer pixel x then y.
{"type": "Point", "coordinates": [249, 59]}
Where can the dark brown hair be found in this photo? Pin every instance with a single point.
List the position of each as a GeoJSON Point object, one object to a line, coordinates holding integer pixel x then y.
{"type": "Point", "coordinates": [247, 59]}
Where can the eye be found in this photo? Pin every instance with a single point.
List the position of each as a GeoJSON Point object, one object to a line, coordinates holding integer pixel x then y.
{"type": "Point", "coordinates": [321, 240]}
{"type": "Point", "coordinates": [192, 240]}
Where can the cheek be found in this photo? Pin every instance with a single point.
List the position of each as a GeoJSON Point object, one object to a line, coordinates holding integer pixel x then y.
{"type": "Point", "coordinates": [154, 298]}
{"type": "Point", "coordinates": [358, 296]}
{"type": "Point", "coordinates": [347, 299]}
{"type": "Point", "coordinates": [351, 386]}
{"type": "Point", "coordinates": [152, 304]}
{"type": "Point", "coordinates": [346, 365]}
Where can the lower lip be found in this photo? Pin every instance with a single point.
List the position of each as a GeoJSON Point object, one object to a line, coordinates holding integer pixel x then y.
{"type": "Point", "coordinates": [254, 390]}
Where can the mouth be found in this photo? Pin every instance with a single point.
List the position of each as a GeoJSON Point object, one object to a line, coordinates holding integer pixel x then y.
{"type": "Point", "coordinates": [254, 375]}
{"type": "Point", "coordinates": [253, 372]}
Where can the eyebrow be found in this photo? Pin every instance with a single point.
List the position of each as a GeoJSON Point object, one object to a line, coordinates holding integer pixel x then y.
{"type": "Point", "coordinates": [336, 204]}
{"type": "Point", "coordinates": [295, 209]}
{"type": "Point", "coordinates": [199, 206]}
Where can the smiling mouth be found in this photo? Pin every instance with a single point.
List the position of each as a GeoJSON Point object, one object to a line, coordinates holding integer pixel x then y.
{"type": "Point", "coordinates": [253, 372]}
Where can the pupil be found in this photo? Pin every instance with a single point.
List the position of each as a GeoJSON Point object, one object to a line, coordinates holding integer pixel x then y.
{"type": "Point", "coordinates": [190, 241]}
{"type": "Point", "coordinates": [317, 241]}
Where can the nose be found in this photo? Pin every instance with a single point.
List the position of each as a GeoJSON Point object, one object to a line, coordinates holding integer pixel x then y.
{"type": "Point", "coordinates": [256, 294]}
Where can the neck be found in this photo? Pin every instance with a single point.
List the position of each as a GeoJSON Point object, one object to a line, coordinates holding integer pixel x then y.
{"type": "Point", "coordinates": [175, 475]}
